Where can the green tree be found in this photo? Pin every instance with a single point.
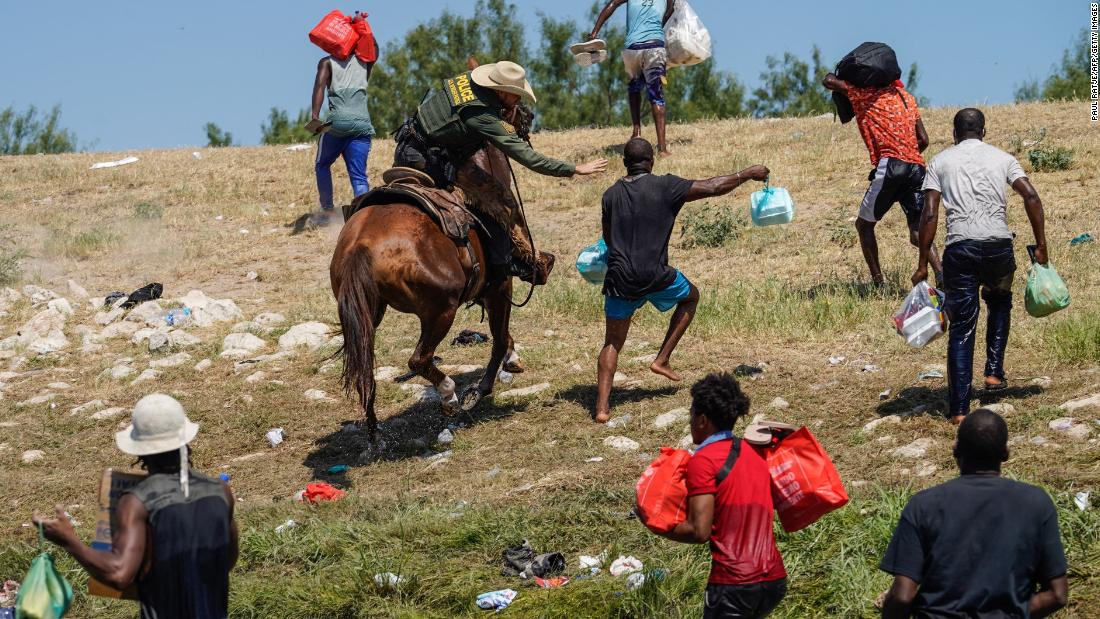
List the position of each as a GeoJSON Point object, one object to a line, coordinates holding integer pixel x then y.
{"type": "Point", "coordinates": [911, 82]}
{"type": "Point", "coordinates": [556, 78]}
{"type": "Point", "coordinates": [791, 87]}
{"type": "Point", "coordinates": [280, 130]}
{"type": "Point", "coordinates": [1071, 80]}
{"type": "Point", "coordinates": [702, 92]}
{"type": "Point", "coordinates": [1028, 91]}
{"type": "Point", "coordinates": [27, 133]}
{"type": "Point", "coordinates": [216, 137]}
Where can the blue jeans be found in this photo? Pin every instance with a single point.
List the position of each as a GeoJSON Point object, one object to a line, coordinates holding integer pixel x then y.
{"type": "Point", "coordinates": [968, 265]}
{"type": "Point", "coordinates": [355, 150]}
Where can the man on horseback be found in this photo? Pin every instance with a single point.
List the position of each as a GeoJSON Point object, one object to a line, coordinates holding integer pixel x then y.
{"type": "Point", "coordinates": [454, 122]}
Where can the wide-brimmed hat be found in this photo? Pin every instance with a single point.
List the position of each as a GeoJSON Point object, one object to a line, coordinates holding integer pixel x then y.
{"type": "Point", "coordinates": [158, 425]}
{"type": "Point", "coordinates": [504, 76]}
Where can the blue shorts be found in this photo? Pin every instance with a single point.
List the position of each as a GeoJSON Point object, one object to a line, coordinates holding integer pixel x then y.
{"type": "Point", "coordinates": [618, 308]}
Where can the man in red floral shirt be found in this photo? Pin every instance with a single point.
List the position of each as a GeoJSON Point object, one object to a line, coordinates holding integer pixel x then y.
{"type": "Point", "coordinates": [889, 121]}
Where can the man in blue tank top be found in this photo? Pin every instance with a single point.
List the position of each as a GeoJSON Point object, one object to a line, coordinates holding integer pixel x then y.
{"type": "Point", "coordinates": [645, 58]}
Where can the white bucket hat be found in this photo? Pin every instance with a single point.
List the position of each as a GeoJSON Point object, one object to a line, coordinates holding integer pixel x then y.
{"type": "Point", "coordinates": [505, 76]}
{"type": "Point", "coordinates": [158, 425]}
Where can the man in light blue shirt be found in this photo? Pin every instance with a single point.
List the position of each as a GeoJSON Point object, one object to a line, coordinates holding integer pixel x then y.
{"type": "Point", "coordinates": [645, 58]}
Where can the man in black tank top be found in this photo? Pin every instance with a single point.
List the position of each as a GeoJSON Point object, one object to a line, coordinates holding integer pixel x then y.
{"type": "Point", "coordinates": [175, 537]}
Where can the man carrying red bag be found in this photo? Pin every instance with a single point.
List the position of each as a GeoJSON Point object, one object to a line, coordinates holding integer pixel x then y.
{"type": "Point", "coordinates": [730, 506]}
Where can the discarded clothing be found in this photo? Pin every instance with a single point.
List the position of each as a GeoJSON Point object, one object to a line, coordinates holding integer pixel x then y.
{"type": "Point", "coordinates": [496, 600]}
{"type": "Point", "coordinates": [625, 565]}
{"type": "Point", "coordinates": [747, 370]}
{"type": "Point", "coordinates": [521, 561]}
{"type": "Point", "coordinates": [1081, 238]}
{"type": "Point", "coordinates": [552, 583]}
{"type": "Point", "coordinates": [467, 338]}
{"type": "Point", "coordinates": [320, 491]}
{"type": "Point", "coordinates": [148, 292]}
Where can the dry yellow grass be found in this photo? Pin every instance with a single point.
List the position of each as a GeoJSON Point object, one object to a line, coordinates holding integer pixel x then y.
{"type": "Point", "coordinates": [764, 300]}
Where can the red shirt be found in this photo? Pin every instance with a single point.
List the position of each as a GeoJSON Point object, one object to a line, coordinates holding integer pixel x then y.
{"type": "Point", "coordinates": [887, 119]}
{"type": "Point", "coordinates": [742, 541]}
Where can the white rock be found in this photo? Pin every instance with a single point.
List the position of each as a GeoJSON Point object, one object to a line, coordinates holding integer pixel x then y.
{"type": "Point", "coordinates": [779, 403]}
{"type": "Point", "coordinates": [41, 398]}
{"type": "Point", "coordinates": [96, 303]}
{"type": "Point", "coordinates": [525, 391]}
{"type": "Point", "coordinates": [245, 327]}
{"type": "Point", "coordinates": [686, 442]}
{"type": "Point", "coordinates": [206, 311]}
{"type": "Point", "coordinates": [1070, 427]}
{"type": "Point", "coordinates": [53, 342]}
{"type": "Point", "coordinates": [874, 423]}
{"type": "Point", "coordinates": [673, 416]}
{"type": "Point", "coordinates": [59, 386]}
{"type": "Point", "coordinates": [202, 365]}
{"type": "Point", "coordinates": [87, 407]}
{"type": "Point", "coordinates": [108, 413]}
{"type": "Point", "coordinates": [1003, 410]}
{"type": "Point", "coordinates": [145, 376]}
{"type": "Point", "coordinates": [1043, 382]}
{"type": "Point", "coordinates": [620, 421]}
{"type": "Point", "coordinates": [143, 334]}
{"type": "Point", "coordinates": [9, 295]}
{"type": "Point", "coordinates": [446, 437]}
{"type": "Point", "coordinates": [149, 313]}
{"type": "Point", "coordinates": [243, 341]}
{"type": "Point", "coordinates": [312, 335]}
{"type": "Point", "coordinates": [1072, 405]}
{"type": "Point", "coordinates": [335, 341]}
{"type": "Point", "coordinates": [182, 339]}
{"type": "Point", "coordinates": [644, 359]}
{"type": "Point", "coordinates": [61, 305]}
{"type": "Point", "coordinates": [621, 443]}
{"type": "Point", "coordinates": [255, 377]}
{"type": "Point", "coordinates": [158, 340]}
{"type": "Point", "coordinates": [619, 378]}
{"type": "Point", "coordinates": [269, 319]}
{"type": "Point", "coordinates": [836, 360]}
{"type": "Point", "coordinates": [119, 329]}
{"type": "Point", "coordinates": [107, 317]}
{"type": "Point", "coordinates": [926, 469]}
{"type": "Point", "coordinates": [386, 373]}
{"type": "Point", "coordinates": [41, 325]}
{"type": "Point", "coordinates": [315, 394]}
{"type": "Point", "coordinates": [77, 291]}
{"type": "Point", "coordinates": [38, 295]}
{"type": "Point", "coordinates": [914, 450]}
{"type": "Point", "coordinates": [33, 455]}
{"type": "Point", "coordinates": [171, 361]}
{"type": "Point", "coordinates": [118, 372]}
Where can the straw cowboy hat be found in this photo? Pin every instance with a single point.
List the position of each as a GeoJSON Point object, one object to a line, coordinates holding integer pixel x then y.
{"type": "Point", "coordinates": [158, 425]}
{"type": "Point", "coordinates": [504, 76]}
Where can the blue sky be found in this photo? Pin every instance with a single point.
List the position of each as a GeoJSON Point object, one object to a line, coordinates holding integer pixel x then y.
{"type": "Point", "coordinates": [133, 75]}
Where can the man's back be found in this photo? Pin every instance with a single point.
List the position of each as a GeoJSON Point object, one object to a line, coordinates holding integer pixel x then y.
{"type": "Point", "coordinates": [971, 176]}
{"type": "Point", "coordinates": [190, 538]}
{"type": "Point", "coordinates": [977, 545]}
{"type": "Point", "coordinates": [887, 119]}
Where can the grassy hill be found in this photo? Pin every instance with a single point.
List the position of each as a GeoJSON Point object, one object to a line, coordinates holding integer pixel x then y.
{"type": "Point", "coordinates": [790, 296]}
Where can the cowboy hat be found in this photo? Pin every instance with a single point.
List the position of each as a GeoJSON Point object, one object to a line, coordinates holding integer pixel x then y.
{"type": "Point", "coordinates": [504, 76]}
{"type": "Point", "coordinates": [158, 425]}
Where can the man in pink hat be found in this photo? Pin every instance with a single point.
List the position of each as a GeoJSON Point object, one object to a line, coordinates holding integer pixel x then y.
{"type": "Point", "coordinates": [175, 536]}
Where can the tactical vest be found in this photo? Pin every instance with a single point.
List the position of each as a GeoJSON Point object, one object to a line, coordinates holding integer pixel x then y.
{"type": "Point", "coordinates": [438, 114]}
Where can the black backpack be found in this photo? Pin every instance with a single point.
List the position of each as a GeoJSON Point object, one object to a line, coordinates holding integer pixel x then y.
{"type": "Point", "coordinates": [870, 64]}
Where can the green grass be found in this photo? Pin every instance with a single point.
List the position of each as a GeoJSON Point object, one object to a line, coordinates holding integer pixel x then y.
{"type": "Point", "coordinates": [84, 244]}
{"type": "Point", "coordinates": [148, 210]}
{"type": "Point", "coordinates": [710, 226]}
{"type": "Point", "coordinates": [10, 268]}
{"type": "Point", "coordinates": [1076, 338]}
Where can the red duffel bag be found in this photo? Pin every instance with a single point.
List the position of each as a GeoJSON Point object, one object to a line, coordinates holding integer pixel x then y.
{"type": "Point", "coordinates": [805, 484]}
{"type": "Point", "coordinates": [661, 493]}
{"type": "Point", "coordinates": [335, 35]}
{"type": "Point", "coordinates": [366, 49]}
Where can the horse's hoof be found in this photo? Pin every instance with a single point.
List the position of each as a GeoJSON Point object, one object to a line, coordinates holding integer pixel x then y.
{"type": "Point", "coordinates": [513, 367]}
{"type": "Point", "coordinates": [470, 399]}
{"type": "Point", "coordinates": [450, 409]}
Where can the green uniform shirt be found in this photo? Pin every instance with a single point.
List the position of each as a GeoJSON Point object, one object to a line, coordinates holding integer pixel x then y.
{"type": "Point", "coordinates": [462, 117]}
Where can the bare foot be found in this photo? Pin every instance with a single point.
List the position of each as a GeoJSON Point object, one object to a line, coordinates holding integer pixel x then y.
{"type": "Point", "coordinates": [603, 416]}
{"type": "Point", "coordinates": [993, 383]}
{"type": "Point", "coordinates": [664, 369]}
{"type": "Point", "coordinates": [958, 419]}
{"type": "Point", "coordinates": [665, 153]}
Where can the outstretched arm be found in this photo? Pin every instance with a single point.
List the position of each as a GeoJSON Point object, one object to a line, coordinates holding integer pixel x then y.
{"type": "Point", "coordinates": [929, 219]}
{"type": "Point", "coordinates": [1034, 207]}
{"type": "Point", "coordinates": [605, 15]}
{"type": "Point", "coordinates": [117, 567]}
{"type": "Point", "coordinates": [721, 185]}
{"type": "Point", "coordinates": [320, 83]}
{"type": "Point", "coordinates": [832, 82]}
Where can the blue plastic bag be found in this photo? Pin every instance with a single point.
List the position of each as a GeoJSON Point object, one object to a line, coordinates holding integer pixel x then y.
{"type": "Point", "coordinates": [771, 206]}
{"type": "Point", "coordinates": [592, 262]}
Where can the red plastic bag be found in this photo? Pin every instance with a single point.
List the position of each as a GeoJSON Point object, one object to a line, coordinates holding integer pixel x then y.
{"type": "Point", "coordinates": [661, 493]}
{"type": "Point", "coordinates": [335, 35]}
{"type": "Point", "coordinates": [320, 491]}
{"type": "Point", "coordinates": [366, 49]}
{"type": "Point", "coordinates": [805, 484]}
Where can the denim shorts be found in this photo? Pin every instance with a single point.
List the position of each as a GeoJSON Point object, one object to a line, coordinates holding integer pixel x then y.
{"type": "Point", "coordinates": [618, 308]}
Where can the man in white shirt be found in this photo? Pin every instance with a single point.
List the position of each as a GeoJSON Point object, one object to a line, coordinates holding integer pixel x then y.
{"type": "Point", "coordinates": [969, 178]}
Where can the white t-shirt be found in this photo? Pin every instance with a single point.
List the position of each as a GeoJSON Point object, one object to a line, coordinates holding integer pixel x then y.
{"type": "Point", "coordinates": [972, 177]}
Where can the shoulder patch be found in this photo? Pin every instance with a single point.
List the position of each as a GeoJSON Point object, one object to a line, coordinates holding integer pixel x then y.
{"type": "Point", "coordinates": [507, 127]}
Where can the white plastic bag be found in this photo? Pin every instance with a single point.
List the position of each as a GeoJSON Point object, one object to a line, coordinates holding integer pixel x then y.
{"type": "Point", "coordinates": [686, 38]}
{"type": "Point", "coordinates": [921, 319]}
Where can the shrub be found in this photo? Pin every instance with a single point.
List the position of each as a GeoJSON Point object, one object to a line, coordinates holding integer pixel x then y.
{"type": "Point", "coordinates": [84, 244]}
{"type": "Point", "coordinates": [1050, 159]}
{"type": "Point", "coordinates": [10, 269]}
{"type": "Point", "coordinates": [710, 226]}
{"type": "Point", "coordinates": [148, 210]}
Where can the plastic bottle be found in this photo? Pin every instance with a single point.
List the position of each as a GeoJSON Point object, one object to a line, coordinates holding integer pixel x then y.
{"type": "Point", "coordinates": [180, 317]}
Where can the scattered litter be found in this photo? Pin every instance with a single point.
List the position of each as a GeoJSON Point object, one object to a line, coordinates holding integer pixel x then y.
{"type": "Point", "coordinates": [338, 469]}
{"type": "Point", "coordinates": [505, 377]}
{"type": "Point", "coordinates": [618, 422]}
{"type": "Point", "coordinates": [588, 562]}
{"type": "Point", "coordinates": [594, 459]}
{"type": "Point", "coordinates": [884, 394]}
{"type": "Point", "coordinates": [1081, 500]}
{"type": "Point", "coordinates": [446, 437]}
{"type": "Point", "coordinates": [196, 155]}
{"type": "Point", "coordinates": [243, 230]}
{"type": "Point", "coordinates": [836, 360]}
{"type": "Point", "coordinates": [148, 292]}
{"type": "Point", "coordinates": [929, 374]}
{"type": "Point", "coordinates": [319, 491]}
{"type": "Point", "coordinates": [286, 526]}
{"type": "Point", "coordinates": [275, 436]}
{"type": "Point", "coordinates": [552, 583]}
{"type": "Point", "coordinates": [496, 600]}
{"type": "Point", "coordinates": [467, 338]}
{"type": "Point", "coordinates": [388, 580]}
{"type": "Point", "coordinates": [299, 147]}
{"type": "Point", "coordinates": [179, 317]}
{"type": "Point", "coordinates": [635, 581]}
{"type": "Point", "coordinates": [521, 561]}
{"type": "Point", "coordinates": [224, 477]}
{"type": "Point", "coordinates": [747, 370]}
{"type": "Point", "coordinates": [1081, 239]}
{"type": "Point", "coordinates": [114, 164]}
{"type": "Point", "coordinates": [625, 565]}
{"type": "Point", "coordinates": [219, 217]}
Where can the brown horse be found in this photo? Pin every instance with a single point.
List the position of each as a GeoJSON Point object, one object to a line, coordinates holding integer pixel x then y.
{"type": "Point", "coordinates": [394, 255]}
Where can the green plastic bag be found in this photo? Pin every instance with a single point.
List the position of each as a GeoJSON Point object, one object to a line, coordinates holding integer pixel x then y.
{"type": "Point", "coordinates": [1046, 293]}
{"type": "Point", "coordinates": [44, 594]}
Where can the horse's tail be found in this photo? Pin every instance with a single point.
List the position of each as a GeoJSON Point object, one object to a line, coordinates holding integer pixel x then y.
{"type": "Point", "coordinates": [357, 303]}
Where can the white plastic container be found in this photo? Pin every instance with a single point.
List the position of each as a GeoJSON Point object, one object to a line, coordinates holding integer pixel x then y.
{"type": "Point", "coordinates": [772, 206]}
{"type": "Point", "coordinates": [922, 327]}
